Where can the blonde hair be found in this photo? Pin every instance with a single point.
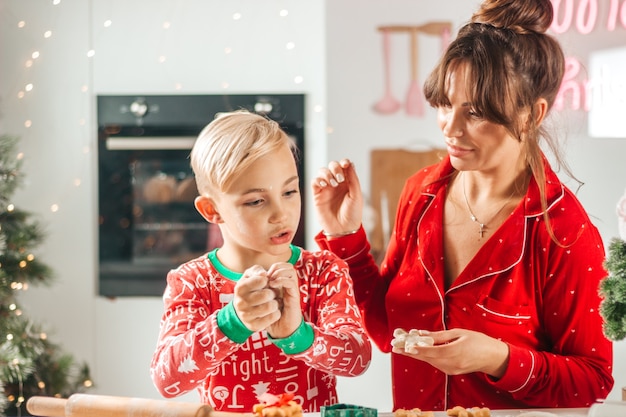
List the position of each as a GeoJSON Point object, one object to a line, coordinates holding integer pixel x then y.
{"type": "Point", "coordinates": [229, 144]}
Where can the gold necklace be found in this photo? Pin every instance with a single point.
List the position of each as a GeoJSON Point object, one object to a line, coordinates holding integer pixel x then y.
{"type": "Point", "coordinates": [482, 226]}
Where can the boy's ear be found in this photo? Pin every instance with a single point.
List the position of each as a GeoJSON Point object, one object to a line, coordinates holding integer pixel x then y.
{"type": "Point", "coordinates": [206, 207]}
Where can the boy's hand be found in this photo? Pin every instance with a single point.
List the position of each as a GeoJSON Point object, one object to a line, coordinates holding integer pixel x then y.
{"type": "Point", "coordinates": [283, 280]}
{"type": "Point", "coordinates": [254, 302]}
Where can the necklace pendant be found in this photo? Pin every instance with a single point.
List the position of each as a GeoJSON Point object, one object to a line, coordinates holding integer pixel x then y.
{"type": "Point", "coordinates": [481, 231]}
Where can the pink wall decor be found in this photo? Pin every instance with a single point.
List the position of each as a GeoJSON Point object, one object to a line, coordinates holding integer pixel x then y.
{"type": "Point", "coordinates": [583, 14]}
{"type": "Point", "coordinates": [571, 87]}
{"type": "Point", "coordinates": [414, 99]}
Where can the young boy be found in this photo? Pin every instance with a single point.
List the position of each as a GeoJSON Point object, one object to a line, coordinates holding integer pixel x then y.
{"type": "Point", "coordinates": [257, 315]}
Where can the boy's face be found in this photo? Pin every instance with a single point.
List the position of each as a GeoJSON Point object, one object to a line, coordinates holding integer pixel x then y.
{"type": "Point", "coordinates": [260, 212]}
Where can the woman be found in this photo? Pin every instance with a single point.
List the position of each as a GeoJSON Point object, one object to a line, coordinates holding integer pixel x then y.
{"type": "Point", "coordinates": [491, 255]}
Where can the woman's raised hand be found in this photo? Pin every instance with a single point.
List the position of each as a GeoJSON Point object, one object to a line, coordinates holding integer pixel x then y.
{"type": "Point", "coordinates": [338, 198]}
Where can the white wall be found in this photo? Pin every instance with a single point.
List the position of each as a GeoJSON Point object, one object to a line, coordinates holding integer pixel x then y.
{"type": "Point", "coordinates": [338, 54]}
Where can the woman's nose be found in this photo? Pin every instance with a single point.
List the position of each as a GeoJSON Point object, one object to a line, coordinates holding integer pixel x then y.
{"type": "Point", "coordinates": [452, 126]}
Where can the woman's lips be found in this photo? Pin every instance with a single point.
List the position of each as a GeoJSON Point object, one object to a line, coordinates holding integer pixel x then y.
{"type": "Point", "coordinates": [457, 151]}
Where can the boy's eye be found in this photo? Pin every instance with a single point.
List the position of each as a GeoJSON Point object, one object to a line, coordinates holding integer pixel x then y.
{"type": "Point", "coordinates": [253, 203]}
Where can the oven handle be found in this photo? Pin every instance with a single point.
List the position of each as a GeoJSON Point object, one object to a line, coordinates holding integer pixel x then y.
{"type": "Point", "coordinates": [125, 143]}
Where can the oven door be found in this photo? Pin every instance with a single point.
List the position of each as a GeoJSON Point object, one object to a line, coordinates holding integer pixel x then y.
{"type": "Point", "coordinates": [148, 224]}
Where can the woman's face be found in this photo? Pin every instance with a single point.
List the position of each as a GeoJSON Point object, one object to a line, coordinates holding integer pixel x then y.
{"type": "Point", "coordinates": [472, 142]}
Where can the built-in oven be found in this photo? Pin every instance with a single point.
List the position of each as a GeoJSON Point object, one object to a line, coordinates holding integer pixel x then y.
{"type": "Point", "coordinates": [147, 221]}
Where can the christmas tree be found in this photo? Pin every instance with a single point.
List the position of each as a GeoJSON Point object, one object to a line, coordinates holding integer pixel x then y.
{"type": "Point", "coordinates": [30, 364]}
{"type": "Point", "coordinates": [613, 289]}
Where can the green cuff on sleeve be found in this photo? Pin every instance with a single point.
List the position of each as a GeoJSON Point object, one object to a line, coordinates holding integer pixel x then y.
{"type": "Point", "coordinates": [298, 341]}
{"type": "Point", "coordinates": [230, 324]}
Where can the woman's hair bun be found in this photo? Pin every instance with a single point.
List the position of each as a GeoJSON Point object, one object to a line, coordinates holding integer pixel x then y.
{"type": "Point", "coordinates": [522, 16]}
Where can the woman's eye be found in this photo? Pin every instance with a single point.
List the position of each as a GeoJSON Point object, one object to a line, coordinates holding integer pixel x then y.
{"type": "Point", "coordinates": [474, 114]}
{"type": "Point", "coordinates": [291, 192]}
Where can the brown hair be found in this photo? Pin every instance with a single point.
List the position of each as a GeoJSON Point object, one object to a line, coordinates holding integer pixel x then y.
{"type": "Point", "coordinates": [513, 62]}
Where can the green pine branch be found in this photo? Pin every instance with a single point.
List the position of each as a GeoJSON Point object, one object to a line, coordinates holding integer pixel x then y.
{"type": "Point", "coordinates": [613, 291]}
{"type": "Point", "coordinates": [30, 364]}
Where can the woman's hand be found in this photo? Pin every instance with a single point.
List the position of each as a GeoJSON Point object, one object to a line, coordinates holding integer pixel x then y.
{"type": "Point", "coordinates": [338, 197]}
{"type": "Point", "coordinates": [283, 280]}
{"type": "Point", "coordinates": [460, 351]}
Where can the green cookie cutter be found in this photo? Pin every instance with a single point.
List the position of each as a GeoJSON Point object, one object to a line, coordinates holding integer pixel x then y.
{"type": "Point", "coordinates": [347, 410]}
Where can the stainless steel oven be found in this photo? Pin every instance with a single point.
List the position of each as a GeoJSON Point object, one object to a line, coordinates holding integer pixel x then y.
{"type": "Point", "coordinates": [147, 220]}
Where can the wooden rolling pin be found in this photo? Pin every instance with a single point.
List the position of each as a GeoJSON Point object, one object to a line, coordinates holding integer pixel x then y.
{"type": "Point", "coordinates": [87, 405]}
{"type": "Point", "coordinates": [46, 406]}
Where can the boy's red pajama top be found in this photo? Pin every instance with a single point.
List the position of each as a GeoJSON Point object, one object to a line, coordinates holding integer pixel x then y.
{"type": "Point", "coordinates": [193, 351]}
{"type": "Point", "coordinates": [521, 287]}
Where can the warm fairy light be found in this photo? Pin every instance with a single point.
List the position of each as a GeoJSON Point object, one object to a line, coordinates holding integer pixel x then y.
{"type": "Point", "coordinates": [21, 24]}
{"type": "Point", "coordinates": [9, 337]}
{"type": "Point", "coordinates": [23, 264]}
{"type": "Point", "coordinates": [11, 398]}
{"type": "Point", "coordinates": [54, 208]}
{"type": "Point", "coordinates": [298, 79]}
{"type": "Point", "coordinates": [30, 257]}
{"type": "Point", "coordinates": [43, 336]}
{"type": "Point", "coordinates": [84, 88]}
{"type": "Point", "coordinates": [35, 55]}
{"type": "Point", "coordinates": [10, 207]}
{"type": "Point", "coordinates": [56, 2]}
{"type": "Point", "coordinates": [47, 34]}
{"type": "Point", "coordinates": [20, 156]}
{"type": "Point", "coordinates": [29, 87]}
{"type": "Point", "coordinates": [88, 383]}
{"type": "Point", "coordinates": [16, 286]}
{"type": "Point", "coordinates": [318, 108]}
{"type": "Point", "coordinates": [225, 84]}
{"type": "Point", "coordinates": [21, 94]}
{"type": "Point", "coordinates": [28, 63]}
{"type": "Point", "coordinates": [28, 123]}
{"type": "Point", "coordinates": [330, 129]}
{"type": "Point", "coordinates": [77, 182]}
{"type": "Point", "coordinates": [107, 23]}
{"type": "Point", "coordinates": [290, 45]}
{"type": "Point", "coordinates": [41, 385]}
{"type": "Point", "coordinates": [167, 25]}
{"type": "Point", "coordinates": [91, 53]}
{"type": "Point", "coordinates": [236, 16]}
{"type": "Point", "coordinates": [228, 50]}
{"type": "Point", "coordinates": [178, 86]}
{"type": "Point", "coordinates": [162, 59]}
{"type": "Point", "coordinates": [12, 306]}
{"type": "Point", "coordinates": [283, 13]}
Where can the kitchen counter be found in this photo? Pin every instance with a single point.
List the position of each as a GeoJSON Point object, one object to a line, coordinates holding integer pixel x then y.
{"type": "Point", "coordinates": [561, 412]}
